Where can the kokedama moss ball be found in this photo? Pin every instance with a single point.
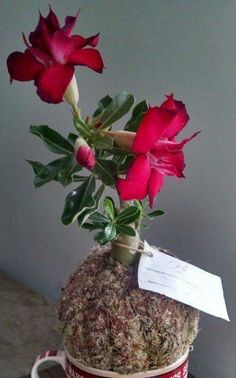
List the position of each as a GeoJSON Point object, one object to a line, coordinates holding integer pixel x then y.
{"type": "Point", "coordinates": [107, 322]}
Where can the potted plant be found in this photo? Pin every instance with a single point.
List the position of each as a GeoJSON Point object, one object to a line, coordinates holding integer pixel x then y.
{"type": "Point", "coordinates": [110, 327]}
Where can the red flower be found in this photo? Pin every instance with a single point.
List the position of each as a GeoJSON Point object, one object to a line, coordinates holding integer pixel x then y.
{"type": "Point", "coordinates": [157, 152]}
{"type": "Point", "coordinates": [84, 155]}
{"type": "Point", "coordinates": [52, 55]}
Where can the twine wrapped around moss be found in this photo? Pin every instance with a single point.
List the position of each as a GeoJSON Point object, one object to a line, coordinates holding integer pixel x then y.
{"type": "Point", "coordinates": [107, 322]}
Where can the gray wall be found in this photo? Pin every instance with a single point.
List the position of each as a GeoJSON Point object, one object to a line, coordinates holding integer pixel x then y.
{"type": "Point", "coordinates": [151, 48]}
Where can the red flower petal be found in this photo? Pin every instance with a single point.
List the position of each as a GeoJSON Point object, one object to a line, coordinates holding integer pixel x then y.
{"type": "Point", "coordinates": [61, 47]}
{"type": "Point", "coordinates": [52, 21]}
{"type": "Point", "coordinates": [173, 165]}
{"type": "Point", "coordinates": [46, 27]}
{"type": "Point", "coordinates": [23, 66]}
{"type": "Point", "coordinates": [40, 36]}
{"type": "Point", "coordinates": [170, 164]}
{"type": "Point", "coordinates": [70, 22]}
{"type": "Point", "coordinates": [156, 181]}
{"type": "Point", "coordinates": [82, 42]}
{"type": "Point", "coordinates": [135, 185]}
{"type": "Point", "coordinates": [87, 57]}
{"type": "Point", "coordinates": [52, 83]}
{"type": "Point", "coordinates": [150, 129]}
{"type": "Point", "coordinates": [181, 116]}
{"type": "Point", "coordinates": [38, 53]}
{"type": "Point", "coordinates": [163, 147]}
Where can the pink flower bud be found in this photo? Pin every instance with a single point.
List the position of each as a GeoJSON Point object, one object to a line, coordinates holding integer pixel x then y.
{"type": "Point", "coordinates": [84, 154]}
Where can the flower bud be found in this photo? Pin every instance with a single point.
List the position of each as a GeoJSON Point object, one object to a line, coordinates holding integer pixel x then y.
{"type": "Point", "coordinates": [84, 155]}
{"type": "Point", "coordinates": [71, 94]}
{"type": "Point", "coordinates": [124, 139]}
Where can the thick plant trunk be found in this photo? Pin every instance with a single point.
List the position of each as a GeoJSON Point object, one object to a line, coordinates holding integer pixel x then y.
{"type": "Point", "coordinates": [120, 250]}
{"type": "Point", "coordinates": [123, 248]}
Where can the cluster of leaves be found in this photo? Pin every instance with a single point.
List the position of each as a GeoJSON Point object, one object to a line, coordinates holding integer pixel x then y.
{"type": "Point", "coordinates": [82, 203]}
{"type": "Point", "coordinates": [111, 223]}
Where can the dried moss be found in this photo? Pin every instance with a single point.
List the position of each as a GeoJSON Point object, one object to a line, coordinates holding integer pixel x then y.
{"type": "Point", "coordinates": [107, 322]}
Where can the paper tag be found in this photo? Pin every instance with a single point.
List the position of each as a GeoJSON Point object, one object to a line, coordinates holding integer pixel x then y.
{"type": "Point", "coordinates": [181, 281]}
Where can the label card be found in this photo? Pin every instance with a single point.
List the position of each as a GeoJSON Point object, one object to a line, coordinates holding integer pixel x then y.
{"type": "Point", "coordinates": [181, 281]}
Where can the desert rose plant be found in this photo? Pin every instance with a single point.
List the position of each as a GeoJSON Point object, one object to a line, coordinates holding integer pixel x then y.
{"type": "Point", "coordinates": [133, 161]}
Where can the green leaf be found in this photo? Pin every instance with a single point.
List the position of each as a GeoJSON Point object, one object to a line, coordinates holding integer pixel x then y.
{"type": "Point", "coordinates": [47, 174]}
{"type": "Point", "coordinates": [118, 107]}
{"type": "Point", "coordinates": [37, 166]}
{"type": "Point", "coordinates": [78, 178]}
{"type": "Point", "coordinates": [156, 213]}
{"type": "Point", "coordinates": [82, 127]}
{"type": "Point", "coordinates": [89, 226]}
{"type": "Point", "coordinates": [99, 193]}
{"type": "Point", "coordinates": [50, 171]}
{"type": "Point", "coordinates": [101, 238]}
{"type": "Point", "coordinates": [119, 152]}
{"type": "Point", "coordinates": [98, 219]}
{"type": "Point", "coordinates": [125, 163]}
{"type": "Point", "coordinates": [102, 104]}
{"type": "Point", "coordinates": [60, 170]}
{"type": "Point", "coordinates": [128, 215]}
{"type": "Point", "coordinates": [79, 200]}
{"type": "Point", "coordinates": [65, 174]}
{"type": "Point", "coordinates": [52, 139]}
{"type": "Point", "coordinates": [109, 207]}
{"type": "Point", "coordinates": [107, 171]}
{"type": "Point", "coordinates": [124, 229]}
{"type": "Point", "coordinates": [137, 115]}
{"type": "Point", "coordinates": [72, 138]}
{"type": "Point", "coordinates": [103, 143]}
{"type": "Point", "coordinates": [110, 232]}
{"type": "Point", "coordinates": [85, 213]}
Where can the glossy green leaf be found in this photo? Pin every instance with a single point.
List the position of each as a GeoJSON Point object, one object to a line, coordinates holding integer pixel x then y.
{"type": "Point", "coordinates": [101, 238]}
{"type": "Point", "coordinates": [128, 215]}
{"type": "Point", "coordinates": [110, 231]}
{"type": "Point", "coordinates": [54, 141]}
{"type": "Point", "coordinates": [48, 173]}
{"type": "Point", "coordinates": [72, 138]}
{"type": "Point", "coordinates": [124, 229]}
{"type": "Point", "coordinates": [65, 174]}
{"type": "Point", "coordinates": [89, 226]}
{"type": "Point", "coordinates": [82, 127]}
{"type": "Point", "coordinates": [109, 207]}
{"type": "Point", "coordinates": [137, 115]}
{"type": "Point", "coordinates": [118, 151]}
{"type": "Point", "coordinates": [86, 212]}
{"type": "Point", "coordinates": [60, 170]}
{"type": "Point", "coordinates": [99, 220]}
{"type": "Point", "coordinates": [36, 165]}
{"type": "Point", "coordinates": [125, 164]}
{"type": "Point", "coordinates": [107, 171]}
{"type": "Point", "coordinates": [118, 107]}
{"type": "Point", "coordinates": [79, 200]}
{"type": "Point", "coordinates": [156, 213]}
{"type": "Point", "coordinates": [78, 178]}
{"type": "Point", "coordinates": [103, 143]}
{"type": "Point", "coordinates": [102, 104]}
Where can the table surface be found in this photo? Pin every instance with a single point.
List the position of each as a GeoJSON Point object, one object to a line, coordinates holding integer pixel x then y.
{"type": "Point", "coordinates": [57, 372]}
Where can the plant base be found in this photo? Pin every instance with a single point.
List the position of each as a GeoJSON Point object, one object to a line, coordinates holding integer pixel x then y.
{"type": "Point", "coordinates": [108, 323]}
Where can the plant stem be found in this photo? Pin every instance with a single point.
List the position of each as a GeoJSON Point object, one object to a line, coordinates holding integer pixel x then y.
{"type": "Point", "coordinates": [122, 254]}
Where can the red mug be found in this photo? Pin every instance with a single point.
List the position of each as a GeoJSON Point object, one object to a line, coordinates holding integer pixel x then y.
{"type": "Point", "coordinates": [74, 369]}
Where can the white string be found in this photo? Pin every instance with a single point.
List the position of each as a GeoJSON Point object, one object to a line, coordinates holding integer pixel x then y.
{"type": "Point", "coordinates": [147, 253]}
